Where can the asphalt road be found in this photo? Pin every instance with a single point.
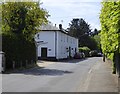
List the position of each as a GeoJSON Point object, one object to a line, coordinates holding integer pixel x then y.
{"type": "Point", "coordinates": [72, 76]}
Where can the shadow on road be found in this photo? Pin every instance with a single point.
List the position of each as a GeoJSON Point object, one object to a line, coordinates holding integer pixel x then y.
{"type": "Point", "coordinates": [44, 71]}
{"type": "Point", "coordinates": [41, 72]}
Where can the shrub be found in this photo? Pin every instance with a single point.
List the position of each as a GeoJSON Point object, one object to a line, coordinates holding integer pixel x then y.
{"type": "Point", "coordinates": [19, 50]}
{"type": "Point", "coordinates": [110, 30]}
{"type": "Point", "coordinates": [86, 50]}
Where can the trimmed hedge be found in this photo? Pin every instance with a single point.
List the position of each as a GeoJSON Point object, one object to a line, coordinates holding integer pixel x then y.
{"type": "Point", "coordinates": [110, 31]}
{"type": "Point", "coordinates": [19, 50]}
{"type": "Point", "coordinates": [86, 50]}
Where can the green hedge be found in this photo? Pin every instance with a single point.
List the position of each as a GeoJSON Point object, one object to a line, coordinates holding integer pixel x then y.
{"type": "Point", "coordinates": [19, 50]}
{"type": "Point", "coordinates": [86, 50]}
{"type": "Point", "coordinates": [110, 30]}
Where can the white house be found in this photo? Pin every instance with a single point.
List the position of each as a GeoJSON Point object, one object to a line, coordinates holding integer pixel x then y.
{"type": "Point", "coordinates": [54, 43]}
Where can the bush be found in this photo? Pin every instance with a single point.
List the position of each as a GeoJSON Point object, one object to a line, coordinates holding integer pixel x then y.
{"type": "Point", "coordinates": [110, 31]}
{"type": "Point", "coordinates": [19, 50]}
{"type": "Point", "coordinates": [93, 53]}
{"type": "Point", "coordinates": [85, 50]}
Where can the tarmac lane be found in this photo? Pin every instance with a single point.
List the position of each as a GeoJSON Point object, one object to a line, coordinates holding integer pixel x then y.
{"type": "Point", "coordinates": [88, 75]}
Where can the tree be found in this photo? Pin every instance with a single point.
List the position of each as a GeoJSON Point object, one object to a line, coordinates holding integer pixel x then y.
{"type": "Point", "coordinates": [95, 32]}
{"type": "Point", "coordinates": [78, 28]}
{"type": "Point", "coordinates": [20, 23]}
{"type": "Point", "coordinates": [22, 18]}
{"type": "Point", "coordinates": [97, 39]}
{"type": "Point", "coordinates": [81, 30]}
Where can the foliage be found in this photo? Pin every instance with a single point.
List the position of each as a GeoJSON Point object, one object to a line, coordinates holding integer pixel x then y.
{"type": "Point", "coordinates": [18, 50]}
{"type": "Point", "coordinates": [86, 50]}
{"type": "Point", "coordinates": [97, 39]}
{"type": "Point", "coordinates": [110, 22]}
{"type": "Point", "coordinates": [95, 32]}
{"type": "Point", "coordinates": [110, 28]}
{"type": "Point", "coordinates": [22, 18]}
{"type": "Point", "coordinates": [20, 22]}
{"type": "Point", "coordinates": [81, 49]}
{"type": "Point", "coordinates": [80, 29]}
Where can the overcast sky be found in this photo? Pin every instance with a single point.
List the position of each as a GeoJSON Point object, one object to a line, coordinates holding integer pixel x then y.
{"type": "Point", "coordinates": [63, 11]}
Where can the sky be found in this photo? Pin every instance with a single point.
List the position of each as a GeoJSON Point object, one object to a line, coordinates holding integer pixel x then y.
{"type": "Point", "coordinates": [63, 11]}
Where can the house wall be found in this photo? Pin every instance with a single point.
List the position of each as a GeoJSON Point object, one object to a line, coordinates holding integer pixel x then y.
{"type": "Point", "coordinates": [48, 38]}
{"type": "Point", "coordinates": [58, 42]}
{"type": "Point", "coordinates": [65, 41]}
{"type": "Point", "coordinates": [61, 46]}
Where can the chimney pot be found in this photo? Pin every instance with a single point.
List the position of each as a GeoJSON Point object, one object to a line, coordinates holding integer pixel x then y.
{"type": "Point", "coordinates": [55, 25]}
{"type": "Point", "coordinates": [60, 26]}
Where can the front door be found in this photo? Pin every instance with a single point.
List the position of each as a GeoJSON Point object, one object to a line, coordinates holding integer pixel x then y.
{"type": "Point", "coordinates": [43, 53]}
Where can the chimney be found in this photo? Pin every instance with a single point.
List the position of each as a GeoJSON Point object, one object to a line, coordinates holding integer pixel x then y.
{"type": "Point", "coordinates": [55, 25]}
{"type": "Point", "coordinates": [60, 26]}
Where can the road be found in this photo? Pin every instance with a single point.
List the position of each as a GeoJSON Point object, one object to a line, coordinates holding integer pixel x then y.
{"type": "Point", "coordinates": [89, 75]}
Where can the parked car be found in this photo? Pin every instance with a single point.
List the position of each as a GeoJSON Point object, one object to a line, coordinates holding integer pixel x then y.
{"type": "Point", "coordinates": [99, 54]}
{"type": "Point", "coordinates": [79, 55]}
{"type": "Point", "coordinates": [93, 53]}
{"type": "Point", "coordinates": [82, 55]}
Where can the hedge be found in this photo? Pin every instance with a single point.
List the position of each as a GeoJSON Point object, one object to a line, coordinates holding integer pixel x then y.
{"type": "Point", "coordinates": [86, 50]}
{"type": "Point", "coordinates": [19, 50]}
{"type": "Point", "coordinates": [110, 30]}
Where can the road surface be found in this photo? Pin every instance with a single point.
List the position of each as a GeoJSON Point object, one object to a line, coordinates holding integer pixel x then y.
{"type": "Point", "coordinates": [89, 75]}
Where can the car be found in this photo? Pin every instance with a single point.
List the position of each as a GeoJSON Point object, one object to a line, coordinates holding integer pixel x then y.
{"type": "Point", "coordinates": [83, 55]}
{"type": "Point", "coordinates": [99, 54]}
{"type": "Point", "coordinates": [79, 55]}
{"type": "Point", "coordinates": [93, 53]}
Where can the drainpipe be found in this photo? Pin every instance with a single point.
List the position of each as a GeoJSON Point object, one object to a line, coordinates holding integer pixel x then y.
{"type": "Point", "coordinates": [56, 44]}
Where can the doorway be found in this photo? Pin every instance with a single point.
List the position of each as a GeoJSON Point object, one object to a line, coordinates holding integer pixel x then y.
{"type": "Point", "coordinates": [43, 53]}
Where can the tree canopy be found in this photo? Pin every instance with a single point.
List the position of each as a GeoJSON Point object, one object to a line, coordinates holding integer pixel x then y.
{"type": "Point", "coordinates": [22, 18]}
{"type": "Point", "coordinates": [20, 23]}
{"type": "Point", "coordinates": [80, 29]}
